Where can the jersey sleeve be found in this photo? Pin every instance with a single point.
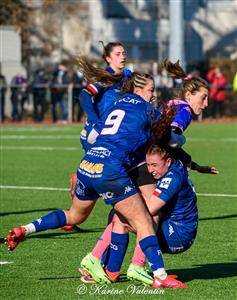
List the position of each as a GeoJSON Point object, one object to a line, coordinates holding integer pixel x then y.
{"type": "Point", "coordinates": [182, 118]}
{"type": "Point", "coordinates": [168, 186]}
{"type": "Point", "coordinates": [86, 99]}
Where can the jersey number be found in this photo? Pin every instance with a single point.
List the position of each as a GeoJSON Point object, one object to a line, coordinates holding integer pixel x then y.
{"type": "Point", "coordinates": [113, 120]}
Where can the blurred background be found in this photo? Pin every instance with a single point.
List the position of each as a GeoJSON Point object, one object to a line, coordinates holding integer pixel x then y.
{"type": "Point", "coordinates": [41, 38]}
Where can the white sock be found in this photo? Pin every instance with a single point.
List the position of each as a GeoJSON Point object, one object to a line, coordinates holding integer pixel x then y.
{"type": "Point", "coordinates": [30, 228]}
{"type": "Point", "coordinates": [161, 273]}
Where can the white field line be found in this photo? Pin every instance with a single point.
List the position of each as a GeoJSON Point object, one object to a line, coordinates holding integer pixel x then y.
{"type": "Point", "coordinates": [211, 139]}
{"type": "Point", "coordinates": [40, 137]}
{"type": "Point", "coordinates": [44, 188]}
{"type": "Point", "coordinates": [39, 128]}
{"type": "Point", "coordinates": [37, 188]}
{"type": "Point", "coordinates": [6, 262]}
{"type": "Point", "coordinates": [76, 136]}
{"type": "Point", "coordinates": [43, 148]}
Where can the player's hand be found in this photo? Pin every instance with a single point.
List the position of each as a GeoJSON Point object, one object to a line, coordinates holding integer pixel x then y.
{"type": "Point", "coordinates": [207, 170]}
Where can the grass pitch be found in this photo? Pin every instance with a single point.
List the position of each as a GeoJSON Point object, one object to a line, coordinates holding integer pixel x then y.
{"type": "Point", "coordinates": [36, 158]}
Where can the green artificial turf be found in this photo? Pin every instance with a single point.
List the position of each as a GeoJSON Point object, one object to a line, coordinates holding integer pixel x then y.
{"type": "Point", "coordinates": [45, 265]}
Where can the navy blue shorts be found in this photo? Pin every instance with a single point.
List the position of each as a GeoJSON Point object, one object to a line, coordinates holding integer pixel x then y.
{"type": "Point", "coordinates": [174, 237]}
{"type": "Point", "coordinates": [103, 178]}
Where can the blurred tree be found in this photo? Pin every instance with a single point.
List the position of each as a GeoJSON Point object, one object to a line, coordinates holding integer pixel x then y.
{"type": "Point", "coordinates": [38, 24]}
{"type": "Point", "coordinates": [16, 13]}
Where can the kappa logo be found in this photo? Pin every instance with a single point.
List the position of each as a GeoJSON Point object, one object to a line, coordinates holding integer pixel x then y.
{"type": "Point", "coordinates": [171, 230]}
{"type": "Point", "coordinates": [39, 220]}
{"type": "Point", "coordinates": [127, 189]}
{"type": "Point", "coordinates": [165, 182]}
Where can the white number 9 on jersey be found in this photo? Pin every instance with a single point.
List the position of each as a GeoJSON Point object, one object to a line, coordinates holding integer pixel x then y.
{"type": "Point", "coordinates": [113, 120]}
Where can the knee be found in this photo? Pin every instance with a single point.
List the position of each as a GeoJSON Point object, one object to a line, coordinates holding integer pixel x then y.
{"type": "Point", "coordinates": [73, 217]}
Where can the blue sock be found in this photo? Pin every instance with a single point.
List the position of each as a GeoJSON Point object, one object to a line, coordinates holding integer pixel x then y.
{"type": "Point", "coordinates": [151, 249]}
{"type": "Point", "coordinates": [105, 257]}
{"type": "Point", "coordinates": [118, 247]}
{"type": "Point", "coordinates": [55, 219]}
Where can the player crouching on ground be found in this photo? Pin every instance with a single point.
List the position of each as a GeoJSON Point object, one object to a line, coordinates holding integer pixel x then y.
{"type": "Point", "coordinates": [173, 206]}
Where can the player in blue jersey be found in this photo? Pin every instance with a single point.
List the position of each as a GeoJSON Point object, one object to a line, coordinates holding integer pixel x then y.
{"type": "Point", "coordinates": [96, 100]}
{"type": "Point", "coordinates": [192, 99]}
{"type": "Point", "coordinates": [174, 209]}
{"type": "Point", "coordinates": [173, 206]}
{"type": "Point", "coordinates": [92, 98]}
{"type": "Point", "coordinates": [103, 172]}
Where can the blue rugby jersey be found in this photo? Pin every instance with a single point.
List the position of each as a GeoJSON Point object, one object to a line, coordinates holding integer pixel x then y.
{"type": "Point", "coordinates": [96, 100]}
{"type": "Point", "coordinates": [184, 114]}
{"type": "Point", "coordinates": [176, 189]}
{"type": "Point", "coordinates": [126, 127]}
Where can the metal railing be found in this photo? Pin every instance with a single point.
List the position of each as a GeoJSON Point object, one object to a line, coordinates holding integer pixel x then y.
{"type": "Point", "coordinates": [66, 89]}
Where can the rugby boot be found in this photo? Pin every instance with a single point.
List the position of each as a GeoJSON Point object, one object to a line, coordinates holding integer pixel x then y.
{"type": "Point", "coordinates": [16, 236]}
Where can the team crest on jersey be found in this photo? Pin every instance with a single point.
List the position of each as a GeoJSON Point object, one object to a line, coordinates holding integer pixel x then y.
{"type": "Point", "coordinates": [165, 182]}
{"type": "Point", "coordinates": [91, 168]}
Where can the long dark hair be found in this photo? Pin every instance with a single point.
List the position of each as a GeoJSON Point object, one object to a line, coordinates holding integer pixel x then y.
{"type": "Point", "coordinates": [93, 75]}
{"type": "Point", "coordinates": [190, 84]}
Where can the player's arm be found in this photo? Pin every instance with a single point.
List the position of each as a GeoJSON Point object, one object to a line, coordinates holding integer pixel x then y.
{"type": "Point", "coordinates": [166, 189]}
{"type": "Point", "coordinates": [186, 159]}
{"type": "Point", "coordinates": [178, 125]}
{"type": "Point", "coordinates": [204, 169]}
{"type": "Point", "coordinates": [86, 99]}
{"type": "Point", "coordinates": [177, 139]}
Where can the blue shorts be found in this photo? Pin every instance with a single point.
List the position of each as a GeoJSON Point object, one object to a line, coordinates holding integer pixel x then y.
{"type": "Point", "coordinates": [104, 178]}
{"type": "Point", "coordinates": [174, 237]}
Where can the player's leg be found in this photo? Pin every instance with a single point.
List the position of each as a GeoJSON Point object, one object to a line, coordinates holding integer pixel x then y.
{"type": "Point", "coordinates": [134, 210]}
{"type": "Point", "coordinates": [176, 238]}
{"type": "Point", "coordinates": [77, 214]}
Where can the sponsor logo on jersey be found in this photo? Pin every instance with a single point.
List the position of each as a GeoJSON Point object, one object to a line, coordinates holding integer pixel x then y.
{"type": "Point", "coordinates": [129, 100]}
{"type": "Point", "coordinates": [107, 195]}
{"type": "Point", "coordinates": [165, 182]}
{"type": "Point", "coordinates": [91, 168]}
{"type": "Point", "coordinates": [99, 152]}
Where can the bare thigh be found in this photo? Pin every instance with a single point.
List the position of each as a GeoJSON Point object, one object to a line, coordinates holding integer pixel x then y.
{"type": "Point", "coordinates": [136, 214]}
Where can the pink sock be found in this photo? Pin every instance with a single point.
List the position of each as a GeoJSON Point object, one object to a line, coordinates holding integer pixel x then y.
{"type": "Point", "coordinates": [138, 258]}
{"type": "Point", "coordinates": [103, 242]}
